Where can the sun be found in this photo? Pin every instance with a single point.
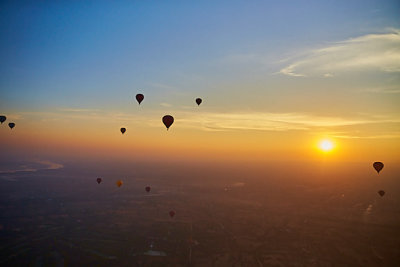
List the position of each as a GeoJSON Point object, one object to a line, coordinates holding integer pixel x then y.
{"type": "Point", "coordinates": [326, 145]}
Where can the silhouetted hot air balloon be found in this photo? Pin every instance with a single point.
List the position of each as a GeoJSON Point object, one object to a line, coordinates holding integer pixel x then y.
{"type": "Point", "coordinates": [198, 101]}
{"type": "Point", "coordinates": [98, 180]}
{"type": "Point", "coordinates": [119, 183]}
{"type": "Point", "coordinates": [147, 189]}
{"type": "Point", "coordinates": [139, 98]}
{"type": "Point", "coordinates": [381, 193]}
{"type": "Point", "coordinates": [171, 213]}
{"type": "Point", "coordinates": [123, 130]}
{"type": "Point", "coordinates": [168, 120]}
{"type": "Point", "coordinates": [11, 125]}
{"type": "Point", "coordinates": [378, 166]}
{"type": "Point", "coordinates": [2, 119]}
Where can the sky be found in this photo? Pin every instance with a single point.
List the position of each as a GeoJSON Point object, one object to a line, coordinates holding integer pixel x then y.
{"type": "Point", "coordinates": [276, 78]}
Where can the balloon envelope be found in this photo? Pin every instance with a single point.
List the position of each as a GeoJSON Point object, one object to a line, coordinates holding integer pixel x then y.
{"type": "Point", "coordinates": [147, 189]}
{"type": "Point", "coordinates": [378, 166]}
{"type": "Point", "coordinates": [98, 180]}
{"type": "Point", "coordinates": [168, 120]}
{"type": "Point", "coordinates": [172, 213]}
{"type": "Point", "coordinates": [139, 98]}
{"type": "Point", "coordinates": [119, 183]}
{"type": "Point", "coordinates": [11, 125]}
{"type": "Point", "coordinates": [198, 101]}
{"type": "Point", "coordinates": [123, 130]}
{"type": "Point", "coordinates": [381, 193]}
{"type": "Point", "coordinates": [2, 119]}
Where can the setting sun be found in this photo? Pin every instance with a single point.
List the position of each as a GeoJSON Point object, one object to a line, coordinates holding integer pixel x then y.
{"type": "Point", "coordinates": [326, 145]}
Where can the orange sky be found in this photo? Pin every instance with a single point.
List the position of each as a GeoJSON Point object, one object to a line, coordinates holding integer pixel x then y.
{"type": "Point", "coordinates": [272, 86]}
{"type": "Point", "coordinates": [97, 138]}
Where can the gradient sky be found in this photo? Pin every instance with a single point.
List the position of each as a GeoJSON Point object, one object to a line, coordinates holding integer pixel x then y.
{"type": "Point", "coordinates": [275, 77]}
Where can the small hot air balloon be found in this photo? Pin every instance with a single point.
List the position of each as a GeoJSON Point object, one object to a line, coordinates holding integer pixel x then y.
{"type": "Point", "coordinates": [198, 101]}
{"type": "Point", "coordinates": [119, 183]}
{"type": "Point", "coordinates": [147, 189]}
{"type": "Point", "coordinates": [139, 98]}
{"type": "Point", "coordinates": [171, 213]}
{"type": "Point", "coordinates": [378, 166]}
{"type": "Point", "coordinates": [381, 193]}
{"type": "Point", "coordinates": [123, 130]}
{"type": "Point", "coordinates": [168, 120]}
{"type": "Point", "coordinates": [98, 180]}
{"type": "Point", "coordinates": [2, 119]}
{"type": "Point", "coordinates": [11, 125]}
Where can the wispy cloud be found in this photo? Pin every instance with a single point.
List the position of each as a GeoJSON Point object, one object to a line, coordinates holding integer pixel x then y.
{"type": "Point", "coordinates": [166, 105]}
{"type": "Point", "coordinates": [78, 110]}
{"type": "Point", "coordinates": [382, 136]}
{"type": "Point", "coordinates": [369, 52]}
{"type": "Point", "coordinates": [34, 166]}
{"type": "Point", "coordinates": [356, 126]}
{"type": "Point", "coordinates": [273, 121]}
{"type": "Point", "coordinates": [382, 90]}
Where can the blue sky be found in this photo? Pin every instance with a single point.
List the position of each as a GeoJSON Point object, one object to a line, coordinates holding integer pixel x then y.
{"type": "Point", "coordinates": [275, 77]}
{"type": "Point", "coordinates": [91, 53]}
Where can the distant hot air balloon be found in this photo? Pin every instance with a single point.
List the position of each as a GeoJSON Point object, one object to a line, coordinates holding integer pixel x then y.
{"type": "Point", "coordinates": [2, 119]}
{"type": "Point", "coordinates": [378, 166]}
{"type": "Point", "coordinates": [171, 213]}
{"type": "Point", "coordinates": [139, 98]}
{"type": "Point", "coordinates": [123, 130]}
{"type": "Point", "coordinates": [168, 120]}
{"type": "Point", "coordinates": [119, 183]}
{"type": "Point", "coordinates": [381, 193]}
{"type": "Point", "coordinates": [198, 101]}
{"type": "Point", "coordinates": [147, 189]}
{"type": "Point", "coordinates": [98, 180]}
{"type": "Point", "coordinates": [11, 125]}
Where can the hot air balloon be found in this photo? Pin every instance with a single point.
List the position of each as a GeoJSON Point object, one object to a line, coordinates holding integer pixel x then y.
{"type": "Point", "coordinates": [378, 166]}
{"type": "Point", "coordinates": [198, 101]}
{"type": "Point", "coordinates": [11, 125]}
{"type": "Point", "coordinates": [168, 120]}
{"type": "Point", "coordinates": [119, 183]}
{"type": "Point", "coordinates": [171, 213]}
{"type": "Point", "coordinates": [98, 180]}
{"type": "Point", "coordinates": [2, 119]}
{"type": "Point", "coordinates": [123, 130]}
{"type": "Point", "coordinates": [381, 193]}
{"type": "Point", "coordinates": [147, 189]}
{"type": "Point", "coordinates": [139, 98]}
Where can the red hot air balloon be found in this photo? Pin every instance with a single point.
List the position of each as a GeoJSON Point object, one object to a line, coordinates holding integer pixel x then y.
{"type": "Point", "coordinates": [378, 166]}
{"type": "Point", "coordinates": [381, 193]}
{"type": "Point", "coordinates": [119, 183]}
{"type": "Point", "coordinates": [171, 213]}
{"type": "Point", "coordinates": [98, 180]}
{"type": "Point", "coordinates": [139, 98]}
{"type": "Point", "coordinates": [123, 130]}
{"type": "Point", "coordinates": [11, 125]}
{"type": "Point", "coordinates": [3, 119]}
{"type": "Point", "coordinates": [147, 188]}
{"type": "Point", "coordinates": [198, 101]}
{"type": "Point", "coordinates": [168, 120]}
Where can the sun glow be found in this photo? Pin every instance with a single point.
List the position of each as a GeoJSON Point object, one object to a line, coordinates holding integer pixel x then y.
{"type": "Point", "coordinates": [326, 145]}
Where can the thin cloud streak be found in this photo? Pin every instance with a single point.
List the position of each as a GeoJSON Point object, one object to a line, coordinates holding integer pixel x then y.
{"type": "Point", "coordinates": [250, 121]}
{"type": "Point", "coordinates": [369, 52]}
{"type": "Point", "coordinates": [78, 110]}
{"type": "Point", "coordinates": [272, 121]}
{"type": "Point", "coordinates": [383, 136]}
{"type": "Point", "coordinates": [382, 90]}
{"type": "Point", "coordinates": [34, 166]}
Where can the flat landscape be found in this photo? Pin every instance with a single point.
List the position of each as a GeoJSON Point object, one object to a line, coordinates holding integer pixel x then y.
{"type": "Point", "coordinates": [236, 216]}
